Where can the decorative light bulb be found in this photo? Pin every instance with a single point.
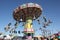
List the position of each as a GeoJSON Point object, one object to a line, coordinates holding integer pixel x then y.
{"type": "Point", "coordinates": [20, 19]}
{"type": "Point", "coordinates": [34, 18]}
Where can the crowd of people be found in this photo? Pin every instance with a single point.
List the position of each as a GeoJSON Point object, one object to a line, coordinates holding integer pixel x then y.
{"type": "Point", "coordinates": [51, 37]}
{"type": "Point", "coordinates": [55, 36]}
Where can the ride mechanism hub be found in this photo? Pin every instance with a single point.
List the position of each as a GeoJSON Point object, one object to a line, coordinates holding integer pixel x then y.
{"type": "Point", "coordinates": [26, 13]}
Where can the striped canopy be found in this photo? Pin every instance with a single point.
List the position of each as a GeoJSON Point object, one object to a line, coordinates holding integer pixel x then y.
{"type": "Point", "coordinates": [27, 10]}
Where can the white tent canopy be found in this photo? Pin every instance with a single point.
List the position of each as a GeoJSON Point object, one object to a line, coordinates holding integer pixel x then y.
{"type": "Point", "coordinates": [7, 37]}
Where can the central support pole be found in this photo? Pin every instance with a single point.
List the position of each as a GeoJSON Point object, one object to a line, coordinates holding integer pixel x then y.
{"type": "Point", "coordinates": [28, 30]}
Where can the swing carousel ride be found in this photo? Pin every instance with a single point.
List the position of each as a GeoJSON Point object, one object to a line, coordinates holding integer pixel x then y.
{"type": "Point", "coordinates": [26, 14]}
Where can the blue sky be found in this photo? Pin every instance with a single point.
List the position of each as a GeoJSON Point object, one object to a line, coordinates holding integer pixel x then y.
{"type": "Point", "coordinates": [51, 9]}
